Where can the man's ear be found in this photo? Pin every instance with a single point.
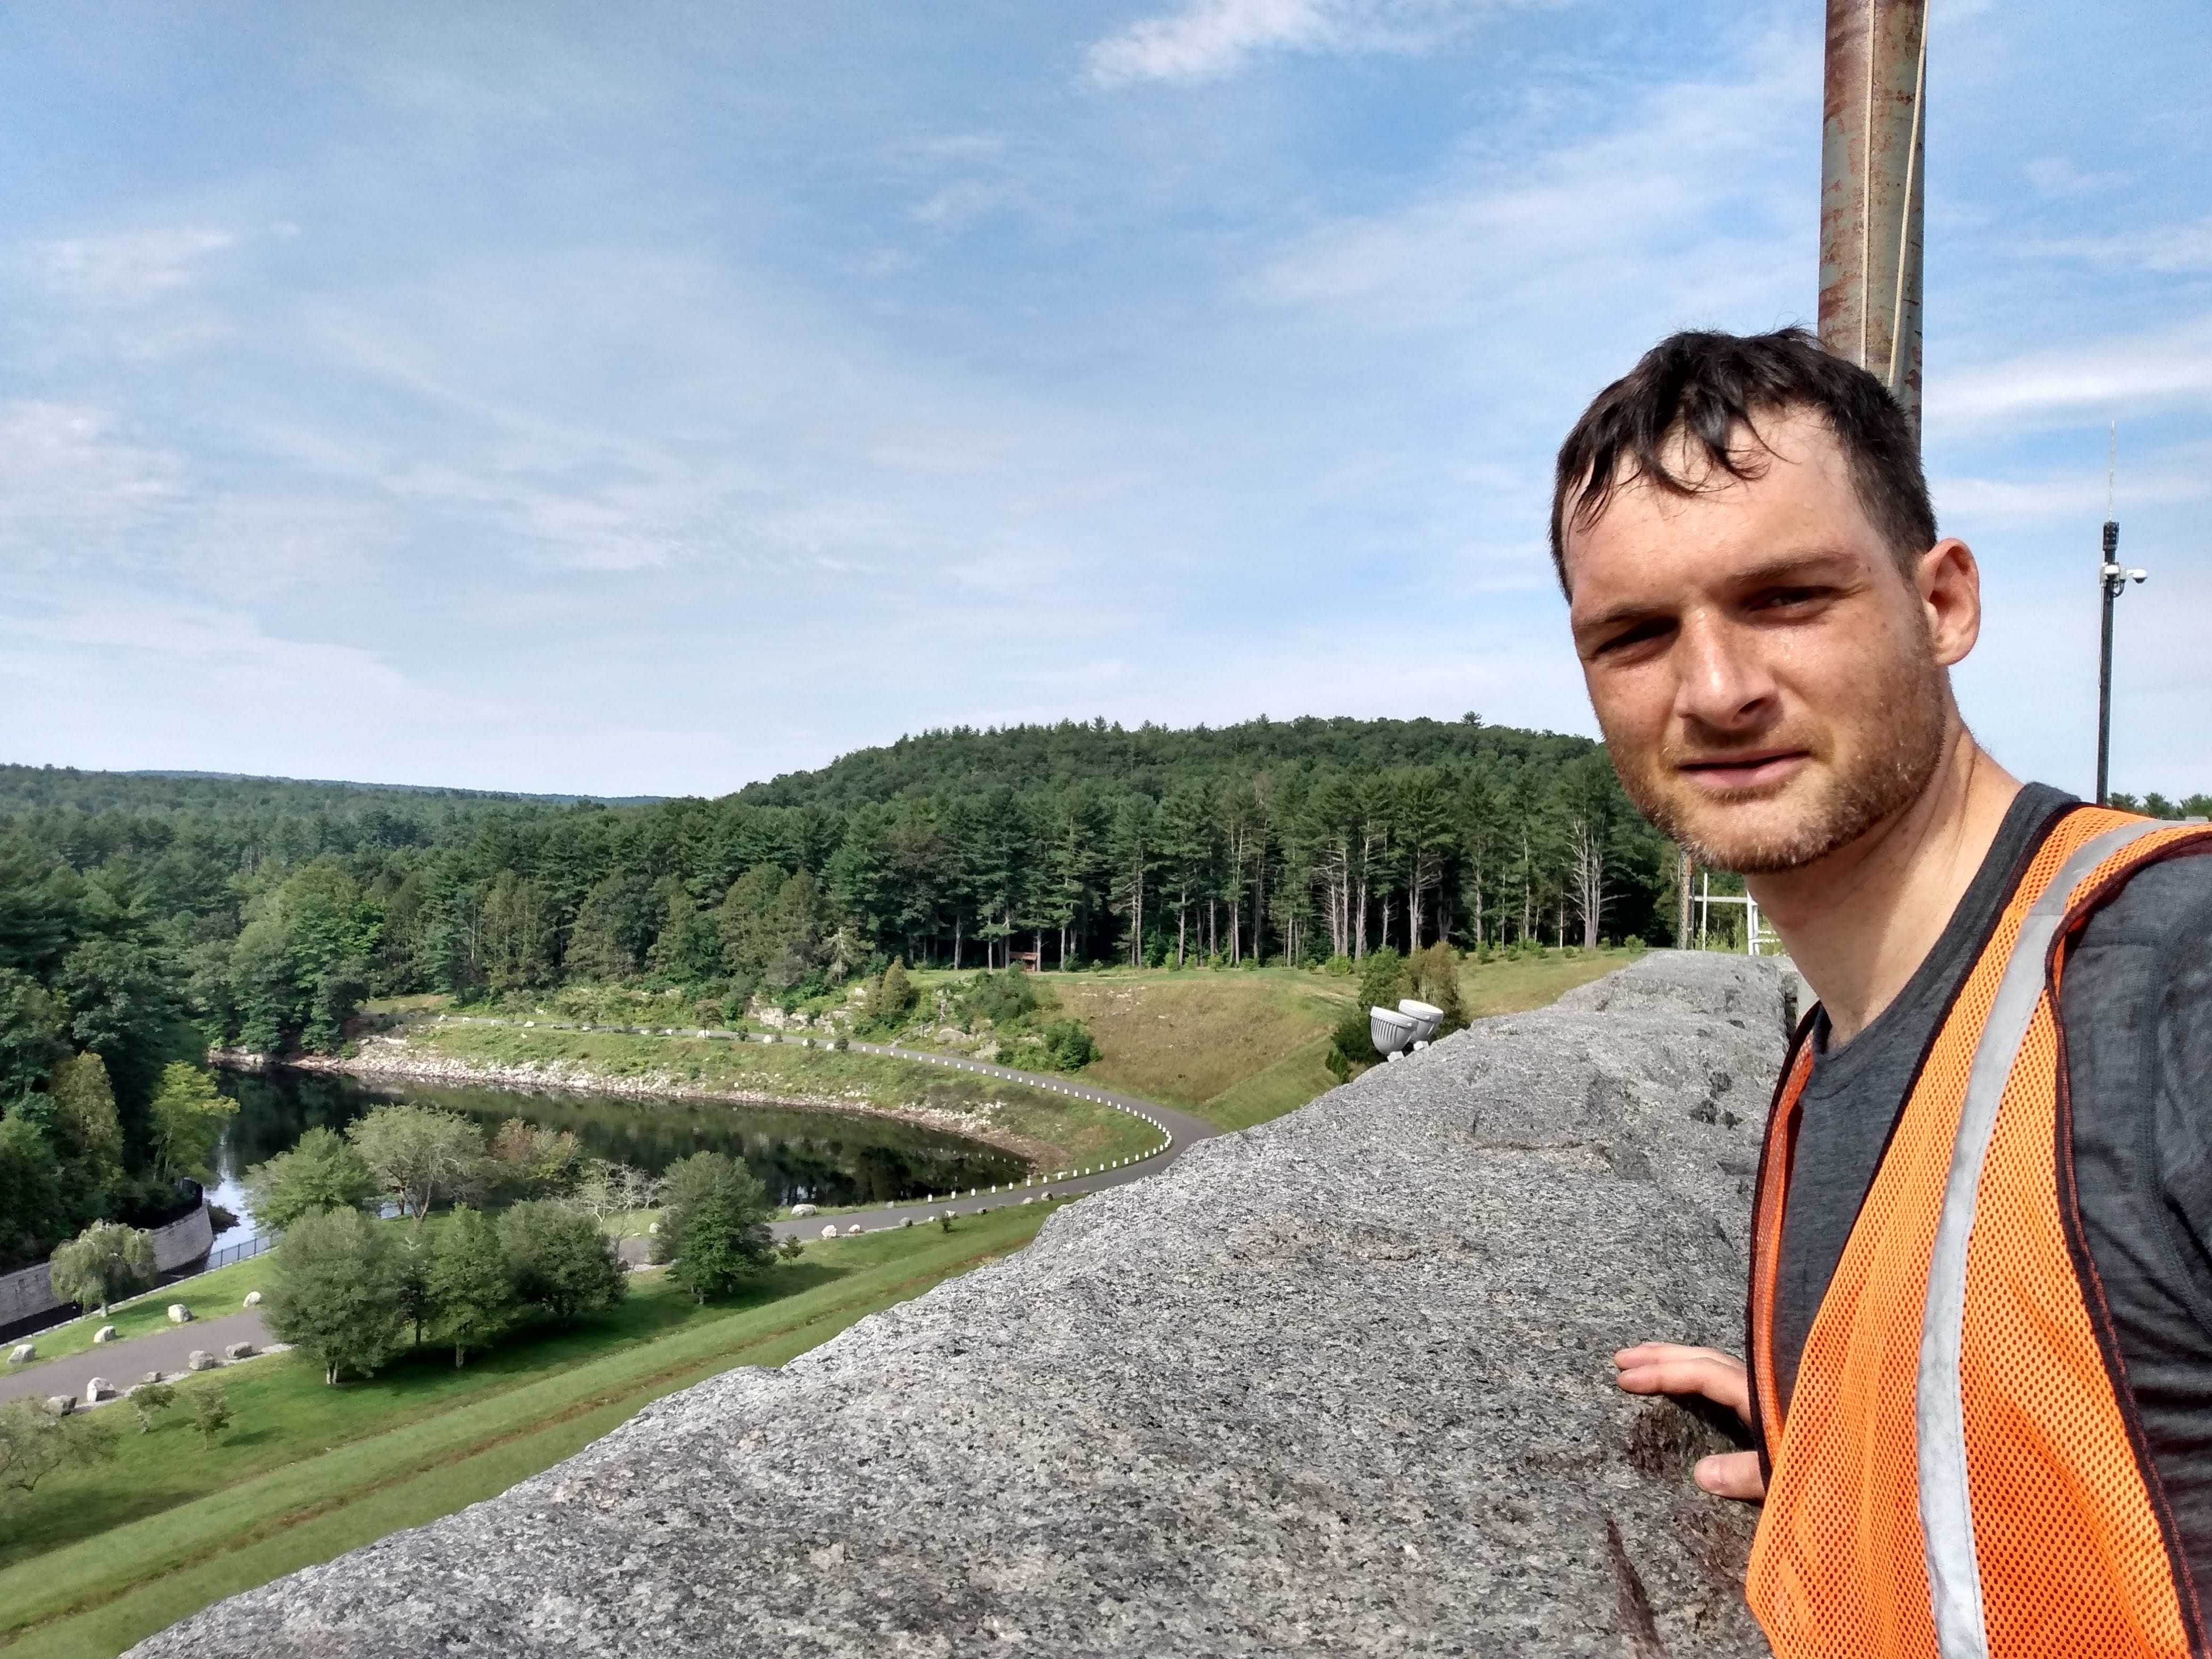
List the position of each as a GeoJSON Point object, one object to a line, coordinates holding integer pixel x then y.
{"type": "Point", "coordinates": [1949, 583]}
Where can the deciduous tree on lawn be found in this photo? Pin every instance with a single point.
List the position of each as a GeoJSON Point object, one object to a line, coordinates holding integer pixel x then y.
{"type": "Point", "coordinates": [719, 1257]}
{"type": "Point", "coordinates": [419, 1156]}
{"type": "Point", "coordinates": [321, 1172]}
{"type": "Point", "coordinates": [690, 1182]}
{"type": "Point", "coordinates": [472, 1282]}
{"type": "Point", "coordinates": [105, 1262]}
{"type": "Point", "coordinates": [561, 1261]}
{"type": "Point", "coordinates": [34, 1442]}
{"type": "Point", "coordinates": [332, 1293]}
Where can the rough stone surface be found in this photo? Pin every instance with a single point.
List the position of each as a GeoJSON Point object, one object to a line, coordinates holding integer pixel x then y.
{"type": "Point", "coordinates": [238, 1350]}
{"type": "Point", "coordinates": [22, 1354]}
{"type": "Point", "coordinates": [179, 1313]}
{"type": "Point", "coordinates": [98, 1390]}
{"type": "Point", "coordinates": [253, 1299]}
{"type": "Point", "coordinates": [1339, 1384]}
{"type": "Point", "coordinates": [201, 1360]}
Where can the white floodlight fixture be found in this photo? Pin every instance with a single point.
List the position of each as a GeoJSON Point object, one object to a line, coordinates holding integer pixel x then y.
{"type": "Point", "coordinates": [1425, 1016]}
{"type": "Point", "coordinates": [1390, 1030]}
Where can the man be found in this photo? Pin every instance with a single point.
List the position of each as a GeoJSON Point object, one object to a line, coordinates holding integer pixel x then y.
{"type": "Point", "coordinates": [1980, 1377]}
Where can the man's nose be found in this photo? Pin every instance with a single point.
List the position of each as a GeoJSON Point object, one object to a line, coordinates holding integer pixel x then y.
{"type": "Point", "coordinates": [1721, 680]}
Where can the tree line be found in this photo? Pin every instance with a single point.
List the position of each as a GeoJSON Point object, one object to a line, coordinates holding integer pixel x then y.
{"type": "Point", "coordinates": [143, 918]}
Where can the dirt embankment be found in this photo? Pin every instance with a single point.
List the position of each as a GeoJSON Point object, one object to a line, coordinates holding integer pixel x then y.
{"type": "Point", "coordinates": [395, 1059]}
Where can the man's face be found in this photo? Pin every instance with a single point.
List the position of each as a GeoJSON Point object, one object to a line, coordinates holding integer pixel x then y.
{"type": "Point", "coordinates": [1769, 679]}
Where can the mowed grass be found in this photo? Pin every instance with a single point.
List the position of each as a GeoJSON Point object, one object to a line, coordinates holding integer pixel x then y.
{"type": "Point", "coordinates": [100, 1557]}
{"type": "Point", "coordinates": [1239, 1047]}
{"type": "Point", "coordinates": [1077, 1133]}
{"type": "Point", "coordinates": [1513, 985]}
{"type": "Point", "coordinates": [1234, 1047]}
{"type": "Point", "coordinates": [208, 1295]}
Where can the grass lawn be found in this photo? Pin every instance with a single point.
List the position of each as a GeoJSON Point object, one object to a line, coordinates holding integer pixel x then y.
{"type": "Point", "coordinates": [208, 1295]}
{"type": "Point", "coordinates": [1234, 1047]}
{"type": "Point", "coordinates": [99, 1557]}
{"type": "Point", "coordinates": [1513, 985]}
{"type": "Point", "coordinates": [1078, 1132]}
{"type": "Point", "coordinates": [1238, 1047]}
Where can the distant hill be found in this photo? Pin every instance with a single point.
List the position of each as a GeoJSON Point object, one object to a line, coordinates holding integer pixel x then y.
{"type": "Point", "coordinates": [1149, 759]}
{"type": "Point", "coordinates": [229, 794]}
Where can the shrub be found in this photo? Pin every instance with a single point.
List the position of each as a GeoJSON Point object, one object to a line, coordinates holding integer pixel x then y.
{"type": "Point", "coordinates": [104, 1262]}
{"type": "Point", "coordinates": [791, 1249]}
{"type": "Point", "coordinates": [1381, 980]}
{"type": "Point", "coordinates": [321, 1172]}
{"type": "Point", "coordinates": [1068, 1045]}
{"type": "Point", "coordinates": [1432, 976]}
{"type": "Point", "coordinates": [1351, 1046]}
{"type": "Point", "coordinates": [150, 1398]}
{"type": "Point", "coordinates": [333, 1294]}
{"type": "Point", "coordinates": [210, 1416]}
{"type": "Point", "coordinates": [561, 1261]}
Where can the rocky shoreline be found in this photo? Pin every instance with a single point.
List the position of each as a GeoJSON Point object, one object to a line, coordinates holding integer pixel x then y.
{"type": "Point", "coordinates": [394, 1059]}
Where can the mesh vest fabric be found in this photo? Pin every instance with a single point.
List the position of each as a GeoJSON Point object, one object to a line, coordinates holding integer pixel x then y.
{"type": "Point", "coordinates": [2074, 1558]}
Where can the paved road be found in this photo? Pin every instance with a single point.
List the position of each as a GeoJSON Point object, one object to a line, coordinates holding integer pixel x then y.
{"type": "Point", "coordinates": [125, 1363]}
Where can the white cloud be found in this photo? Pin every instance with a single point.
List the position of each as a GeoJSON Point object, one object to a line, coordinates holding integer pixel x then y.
{"type": "Point", "coordinates": [127, 268]}
{"type": "Point", "coordinates": [69, 476]}
{"type": "Point", "coordinates": [1210, 38]}
{"type": "Point", "coordinates": [1687, 203]}
{"type": "Point", "coordinates": [2119, 376]}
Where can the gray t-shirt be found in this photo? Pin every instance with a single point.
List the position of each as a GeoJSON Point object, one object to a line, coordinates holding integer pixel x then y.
{"type": "Point", "coordinates": [2135, 1006]}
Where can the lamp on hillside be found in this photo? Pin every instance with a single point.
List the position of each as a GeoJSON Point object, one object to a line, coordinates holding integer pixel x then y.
{"type": "Point", "coordinates": [1426, 1018]}
{"type": "Point", "coordinates": [1389, 1030]}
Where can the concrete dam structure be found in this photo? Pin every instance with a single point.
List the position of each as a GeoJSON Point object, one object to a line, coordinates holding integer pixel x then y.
{"type": "Point", "coordinates": [1338, 1385]}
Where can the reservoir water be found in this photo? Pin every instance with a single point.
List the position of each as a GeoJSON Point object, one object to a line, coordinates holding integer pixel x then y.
{"type": "Point", "coordinates": [801, 1157]}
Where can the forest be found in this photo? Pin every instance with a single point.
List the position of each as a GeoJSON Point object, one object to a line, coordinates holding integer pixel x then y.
{"type": "Point", "coordinates": [144, 917]}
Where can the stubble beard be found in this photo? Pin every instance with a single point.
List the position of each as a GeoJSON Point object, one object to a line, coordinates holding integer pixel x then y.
{"type": "Point", "coordinates": [1892, 773]}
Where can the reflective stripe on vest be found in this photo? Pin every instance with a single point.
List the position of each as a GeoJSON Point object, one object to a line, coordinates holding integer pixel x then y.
{"type": "Point", "coordinates": [1954, 1475]}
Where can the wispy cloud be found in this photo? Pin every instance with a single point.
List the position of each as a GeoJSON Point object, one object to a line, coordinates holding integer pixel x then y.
{"type": "Point", "coordinates": [1208, 39]}
{"type": "Point", "coordinates": [127, 268]}
{"type": "Point", "coordinates": [1682, 199]}
{"type": "Point", "coordinates": [2165, 369]}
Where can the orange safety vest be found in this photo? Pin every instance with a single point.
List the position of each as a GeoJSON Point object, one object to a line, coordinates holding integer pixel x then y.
{"type": "Point", "coordinates": [1958, 1473]}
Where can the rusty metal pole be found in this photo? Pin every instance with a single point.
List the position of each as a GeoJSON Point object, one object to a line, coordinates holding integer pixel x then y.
{"type": "Point", "coordinates": [1872, 182]}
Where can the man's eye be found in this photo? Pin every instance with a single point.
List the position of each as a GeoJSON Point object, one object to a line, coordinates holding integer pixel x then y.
{"type": "Point", "coordinates": [1640, 634]}
{"type": "Point", "coordinates": [1784, 598]}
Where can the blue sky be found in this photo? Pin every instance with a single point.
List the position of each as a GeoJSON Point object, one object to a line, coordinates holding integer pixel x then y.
{"type": "Point", "coordinates": [650, 399]}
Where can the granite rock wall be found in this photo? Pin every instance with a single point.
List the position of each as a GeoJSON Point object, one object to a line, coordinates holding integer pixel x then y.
{"type": "Point", "coordinates": [1339, 1384]}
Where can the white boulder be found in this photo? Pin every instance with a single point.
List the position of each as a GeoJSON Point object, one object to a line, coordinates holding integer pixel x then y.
{"type": "Point", "coordinates": [179, 1313]}
{"type": "Point", "coordinates": [253, 1299]}
{"type": "Point", "coordinates": [98, 1390]}
{"type": "Point", "coordinates": [201, 1360]}
{"type": "Point", "coordinates": [801, 1212]}
{"type": "Point", "coordinates": [104, 1333]}
{"type": "Point", "coordinates": [238, 1351]}
{"type": "Point", "coordinates": [22, 1354]}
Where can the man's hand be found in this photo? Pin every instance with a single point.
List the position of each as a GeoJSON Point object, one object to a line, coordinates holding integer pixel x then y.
{"type": "Point", "coordinates": [1670, 1368]}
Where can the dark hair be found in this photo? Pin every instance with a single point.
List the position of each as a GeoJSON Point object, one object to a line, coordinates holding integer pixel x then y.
{"type": "Point", "coordinates": [1706, 386]}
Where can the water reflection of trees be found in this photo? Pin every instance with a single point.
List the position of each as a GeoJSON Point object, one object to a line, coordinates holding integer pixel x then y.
{"type": "Point", "coordinates": [801, 1157]}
